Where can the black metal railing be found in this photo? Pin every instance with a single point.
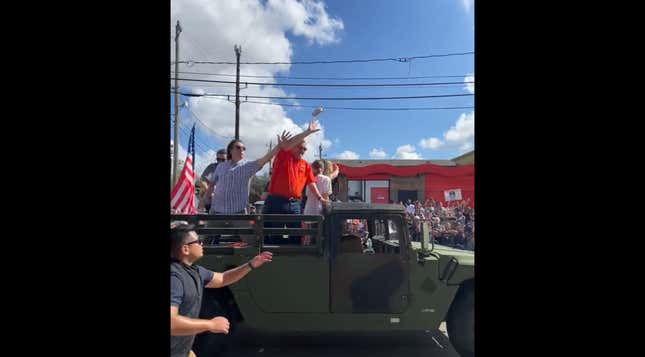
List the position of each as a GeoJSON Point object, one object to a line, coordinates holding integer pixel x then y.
{"type": "Point", "coordinates": [219, 232]}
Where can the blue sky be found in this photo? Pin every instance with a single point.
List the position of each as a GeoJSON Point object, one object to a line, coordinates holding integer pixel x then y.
{"type": "Point", "coordinates": [370, 29]}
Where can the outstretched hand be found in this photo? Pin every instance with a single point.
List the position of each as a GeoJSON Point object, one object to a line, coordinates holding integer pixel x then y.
{"type": "Point", "coordinates": [283, 139]}
{"type": "Point", "coordinates": [313, 126]}
{"type": "Point", "coordinates": [261, 258]}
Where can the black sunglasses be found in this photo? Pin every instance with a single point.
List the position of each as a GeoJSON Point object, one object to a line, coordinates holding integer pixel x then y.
{"type": "Point", "coordinates": [198, 241]}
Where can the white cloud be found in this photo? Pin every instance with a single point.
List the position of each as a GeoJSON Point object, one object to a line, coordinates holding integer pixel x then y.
{"type": "Point", "coordinates": [210, 29]}
{"type": "Point", "coordinates": [326, 144]}
{"type": "Point", "coordinates": [377, 154]}
{"type": "Point", "coordinates": [463, 131]}
{"type": "Point", "coordinates": [460, 136]}
{"type": "Point", "coordinates": [306, 18]}
{"type": "Point", "coordinates": [466, 147]}
{"type": "Point", "coordinates": [467, 4]}
{"type": "Point", "coordinates": [407, 152]}
{"type": "Point", "coordinates": [470, 87]}
{"type": "Point", "coordinates": [431, 143]}
{"type": "Point", "coordinates": [347, 155]}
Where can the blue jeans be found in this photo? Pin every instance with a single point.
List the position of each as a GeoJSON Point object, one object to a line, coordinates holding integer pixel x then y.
{"type": "Point", "coordinates": [275, 204]}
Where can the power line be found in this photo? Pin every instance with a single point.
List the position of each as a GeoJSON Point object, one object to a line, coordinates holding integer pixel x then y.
{"type": "Point", "coordinates": [354, 108]}
{"type": "Point", "coordinates": [198, 141]}
{"type": "Point", "coordinates": [330, 98]}
{"type": "Point", "coordinates": [203, 145]}
{"type": "Point", "coordinates": [324, 78]}
{"type": "Point", "coordinates": [206, 126]}
{"type": "Point", "coordinates": [327, 84]}
{"type": "Point", "coordinates": [358, 108]}
{"type": "Point", "coordinates": [199, 144]}
{"type": "Point", "coordinates": [399, 59]}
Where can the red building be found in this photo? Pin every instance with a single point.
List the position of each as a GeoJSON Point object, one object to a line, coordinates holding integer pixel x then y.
{"type": "Point", "coordinates": [382, 181]}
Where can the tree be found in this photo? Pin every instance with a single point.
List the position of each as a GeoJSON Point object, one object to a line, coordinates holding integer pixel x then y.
{"type": "Point", "coordinates": [258, 185]}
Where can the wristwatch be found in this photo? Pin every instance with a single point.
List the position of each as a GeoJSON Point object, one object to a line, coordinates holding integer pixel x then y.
{"type": "Point", "coordinates": [250, 266]}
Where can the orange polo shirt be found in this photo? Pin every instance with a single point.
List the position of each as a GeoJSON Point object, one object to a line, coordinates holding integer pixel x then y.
{"type": "Point", "coordinates": [289, 175]}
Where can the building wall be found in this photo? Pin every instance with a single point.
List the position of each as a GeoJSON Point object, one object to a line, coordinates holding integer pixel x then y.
{"type": "Point", "coordinates": [465, 159]}
{"type": "Point", "coordinates": [355, 188]}
{"type": "Point", "coordinates": [415, 183]}
{"type": "Point", "coordinates": [373, 183]}
{"type": "Point", "coordinates": [339, 188]}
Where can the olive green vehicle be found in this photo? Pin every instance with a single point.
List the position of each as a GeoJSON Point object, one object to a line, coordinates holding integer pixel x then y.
{"type": "Point", "coordinates": [359, 273]}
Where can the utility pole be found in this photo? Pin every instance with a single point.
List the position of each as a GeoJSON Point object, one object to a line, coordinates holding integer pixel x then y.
{"type": "Point", "coordinates": [320, 151]}
{"type": "Point", "coordinates": [238, 52]}
{"type": "Point", "coordinates": [176, 137]}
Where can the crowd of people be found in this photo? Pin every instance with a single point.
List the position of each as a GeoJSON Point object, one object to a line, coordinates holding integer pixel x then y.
{"type": "Point", "coordinates": [452, 224]}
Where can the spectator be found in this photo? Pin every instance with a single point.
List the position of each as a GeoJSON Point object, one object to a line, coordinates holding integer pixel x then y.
{"type": "Point", "coordinates": [314, 206]}
{"type": "Point", "coordinates": [185, 295]}
{"type": "Point", "coordinates": [461, 218]}
{"type": "Point", "coordinates": [289, 175]}
{"type": "Point", "coordinates": [331, 169]}
{"type": "Point", "coordinates": [410, 208]}
{"type": "Point", "coordinates": [419, 210]}
{"type": "Point", "coordinates": [415, 229]}
{"type": "Point", "coordinates": [200, 196]}
{"type": "Point", "coordinates": [207, 196]}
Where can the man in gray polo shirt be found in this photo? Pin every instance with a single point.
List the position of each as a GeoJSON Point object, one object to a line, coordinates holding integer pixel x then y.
{"type": "Point", "coordinates": [187, 283]}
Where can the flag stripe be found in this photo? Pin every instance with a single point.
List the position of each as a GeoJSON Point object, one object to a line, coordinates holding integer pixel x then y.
{"type": "Point", "coordinates": [182, 196]}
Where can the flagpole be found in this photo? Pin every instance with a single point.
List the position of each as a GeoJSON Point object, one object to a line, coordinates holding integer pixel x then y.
{"type": "Point", "coordinates": [192, 146]}
{"type": "Point", "coordinates": [175, 174]}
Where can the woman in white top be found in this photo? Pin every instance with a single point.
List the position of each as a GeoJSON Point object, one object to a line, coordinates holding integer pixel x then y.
{"type": "Point", "coordinates": [323, 183]}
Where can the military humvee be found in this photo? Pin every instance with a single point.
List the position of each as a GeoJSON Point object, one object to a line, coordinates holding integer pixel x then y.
{"type": "Point", "coordinates": [359, 272]}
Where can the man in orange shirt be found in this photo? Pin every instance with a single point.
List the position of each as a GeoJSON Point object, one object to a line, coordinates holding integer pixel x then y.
{"type": "Point", "coordinates": [289, 175]}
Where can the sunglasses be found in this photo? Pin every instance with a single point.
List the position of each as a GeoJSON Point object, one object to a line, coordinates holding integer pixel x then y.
{"type": "Point", "coordinates": [198, 241]}
{"type": "Point", "coordinates": [220, 160]}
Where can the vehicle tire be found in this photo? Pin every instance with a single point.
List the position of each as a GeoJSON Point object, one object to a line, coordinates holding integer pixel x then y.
{"type": "Point", "coordinates": [216, 302]}
{"type": "Point", "coordinates": [461, 321]}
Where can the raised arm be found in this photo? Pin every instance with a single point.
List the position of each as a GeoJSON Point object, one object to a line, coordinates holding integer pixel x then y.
{"type": "Point", "coordinates": [282, 140]}
{"type": "Point", "coordinates": [334, 173]}
{"type": "Point", "coordinates": [312, 128]}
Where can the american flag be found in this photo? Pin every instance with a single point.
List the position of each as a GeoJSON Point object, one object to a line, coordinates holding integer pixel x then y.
{"type": "Point", "coordinates": [182, 197]}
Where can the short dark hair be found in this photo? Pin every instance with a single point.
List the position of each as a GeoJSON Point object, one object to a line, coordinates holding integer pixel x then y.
{"type": "Point", "coordinates": [229, 148]}
{"type": "Point", "coordinates": [177, 237]}
{"type": "Point", "coordinates": [319, 164]}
